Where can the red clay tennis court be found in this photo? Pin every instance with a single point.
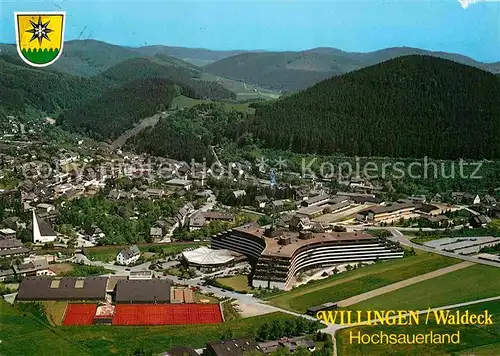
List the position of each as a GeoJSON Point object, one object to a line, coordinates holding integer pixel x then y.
{"type": "Point", "coordinates": [79, 314]}
{"type": "Point", "coordinates": [166, 314]}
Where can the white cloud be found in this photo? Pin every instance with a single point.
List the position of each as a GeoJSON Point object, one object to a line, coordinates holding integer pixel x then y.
{"type": "Point", "coordinates": [466, 3]}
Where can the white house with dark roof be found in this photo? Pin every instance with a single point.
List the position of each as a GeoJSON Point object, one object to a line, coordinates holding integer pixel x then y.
{"type": "Point", "coordinates": [42, 231]}
{"type": "Point", "coordinates": [128, 255]}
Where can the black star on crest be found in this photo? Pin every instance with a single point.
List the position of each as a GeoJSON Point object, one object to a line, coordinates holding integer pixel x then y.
{"type": "Point", "coordinates": [40, 30]}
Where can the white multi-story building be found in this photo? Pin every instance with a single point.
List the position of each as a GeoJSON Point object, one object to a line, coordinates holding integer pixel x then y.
{"type": "Point", "coordinates": [128, 256]}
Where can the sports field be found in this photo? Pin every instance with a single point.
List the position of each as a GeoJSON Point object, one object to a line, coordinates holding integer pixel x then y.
{"type": "Point", "coordinates": [80, 314]}
{"type": "Point", "coordinates": [166, 314]}
{"type": "Point", "coordinates": [24, 333]}
{"type": "Point", "coordinates": [471, 283]}
{"type": "Point", "coordinates": [359, 281]}
{"type": "Point", "coordinates": [474, 339]}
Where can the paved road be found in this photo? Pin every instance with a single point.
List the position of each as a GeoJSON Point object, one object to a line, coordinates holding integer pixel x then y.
{"type": "Point", "coordinates": [403, 240]}
{"type": "Point", "coordinates": [407, 282]}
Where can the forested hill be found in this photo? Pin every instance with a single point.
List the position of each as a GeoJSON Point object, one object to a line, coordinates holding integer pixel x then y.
{"type": "Point", "coordinates": [411, 106]}
{"type": "Point", "coordinates": [119, 109]}
{"type": "Point", "coordinates": [21, 86]}
{"type": "Point", "coordinates": [138, 68]}
{"type": "Point", "coordinates": [294, 71]}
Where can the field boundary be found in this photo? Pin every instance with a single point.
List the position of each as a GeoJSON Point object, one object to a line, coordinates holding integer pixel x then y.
{"type": "Point", "coordinates": [405, 283]}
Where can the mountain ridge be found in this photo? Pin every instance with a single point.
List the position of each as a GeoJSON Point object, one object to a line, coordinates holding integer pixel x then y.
{"type": "Point", "coordinates": [410, 106]}
{"type": "Point", "coordinates": [266, 69]}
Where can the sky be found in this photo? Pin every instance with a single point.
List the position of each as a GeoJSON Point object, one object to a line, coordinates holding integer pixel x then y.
{"type": "Point", "coordinates": [468, 27]}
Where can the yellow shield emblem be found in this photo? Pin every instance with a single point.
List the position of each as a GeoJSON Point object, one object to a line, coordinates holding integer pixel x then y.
{"type": "Point", "coordinates": [40, 36]}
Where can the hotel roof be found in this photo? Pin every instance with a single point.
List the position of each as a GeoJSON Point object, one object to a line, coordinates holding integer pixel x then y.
{"type": "Point", "coordinates": [273, 248]}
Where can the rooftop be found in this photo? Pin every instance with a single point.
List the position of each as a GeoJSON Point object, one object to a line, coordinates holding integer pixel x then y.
{"type": "Point", "coordinates": [65, 288]}
{"type": "Point", "coordinates": [273, 248]}
{"type": "Point", "coordinates": [234, 347]}
{"type": "Point", "coordinates": [143, 291]}
{"type": "Point", "coordinates": [206, 256]}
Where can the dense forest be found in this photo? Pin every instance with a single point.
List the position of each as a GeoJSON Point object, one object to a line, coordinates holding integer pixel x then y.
{"type": "Point", "coordinates": [406, 107]}
{"type": "Point", "coordinates": [119, 109]}
{"type": "Point", "coordinates": [188, 134]}
{"type": "Point", "coordinates": [138, 68]}
{"type": "Point", "coordinates": [50, 92]}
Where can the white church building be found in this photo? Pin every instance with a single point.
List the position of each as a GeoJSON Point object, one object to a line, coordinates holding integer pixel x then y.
{"type": "Point", "coordinates": [42, 231]}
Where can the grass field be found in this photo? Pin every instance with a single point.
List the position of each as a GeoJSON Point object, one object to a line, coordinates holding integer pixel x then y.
{"type": "Point", "coordinates": [422, 239]}
{"type": "Point", "coordinates": [85, 271]}
{"type": "Point", "coordinates": [108, 253]}
{"type": "Point", "coordinates": [239, 283]}
{"type": "Point", "coordinates": [243, 90]}
{"type": "Point", "coordinates": [55, 311]}
{"type": "Point", "coordinates": [474, 340]}
{"type": "Point", "coordinates": [361, 280]}
{"type": "Point", "coordinates": [471, 283]}
{"type": "Point", "coordinates": [23, 333]}
{"type": "Point", "coordinates": [60, 268]}
{"type": "Point", "coordinates": [495, 223]}
{"type": "Point", "coordinates": [182, 102]}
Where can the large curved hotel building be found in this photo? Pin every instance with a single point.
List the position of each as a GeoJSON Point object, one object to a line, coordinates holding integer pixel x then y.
{"type": "Point", "coordinates": [279, 255]}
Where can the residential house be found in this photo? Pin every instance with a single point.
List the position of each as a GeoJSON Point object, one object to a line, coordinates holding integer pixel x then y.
{"type": "Point", "coordinates": [128, 255]}
{"type": "Point", "coordinates": [471, 199]}
{"type": "Point", "coordinates": [437, 198]}
{"type": "Point", "coordinates": [156, 233]}
{"type": "Point", "coordinates": [289, 343]}
{"type": "Point", "coordinates": [479, 221]}
{"type": "Point", "coordinates": [261, 201]}
{"type": "Point", "coordinates": [7, 233]}
{"type": "Point", "coordinates": [167, 226]}
{"type": "Point", "coordinates": [14, 223]}
{"type": "Point", "coordinates": [37, 267]}
{"type": "Point", "coordinates": [488, 200]}
{"type": "Point", "coordinates": [238, 347]}
{"type": "Point", "coordinates": [298, 223]}
{"type": "Point", "coordinates": [155, 193]}
{"type": "Point", "coordinates": [184, 212]}
{"type": "Point", "coordinates": [47, 208]}
{"type": "Point", "coordinates": [181, 351]}
{"type": "Point", "coordinates": [179, 183]}
{"type": "Point", "coordinates": [199, 219]}
{"type": "Point", "coordinates": [496, 211]}
{"type": "Point", "coordinates": [93, 233]}
{"type": "Point", "coordinates": [13, 248]}
{"type": "Point", "coordinates": [465, 198]}
{"type": "Point", "coordinates": [239, 193]}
